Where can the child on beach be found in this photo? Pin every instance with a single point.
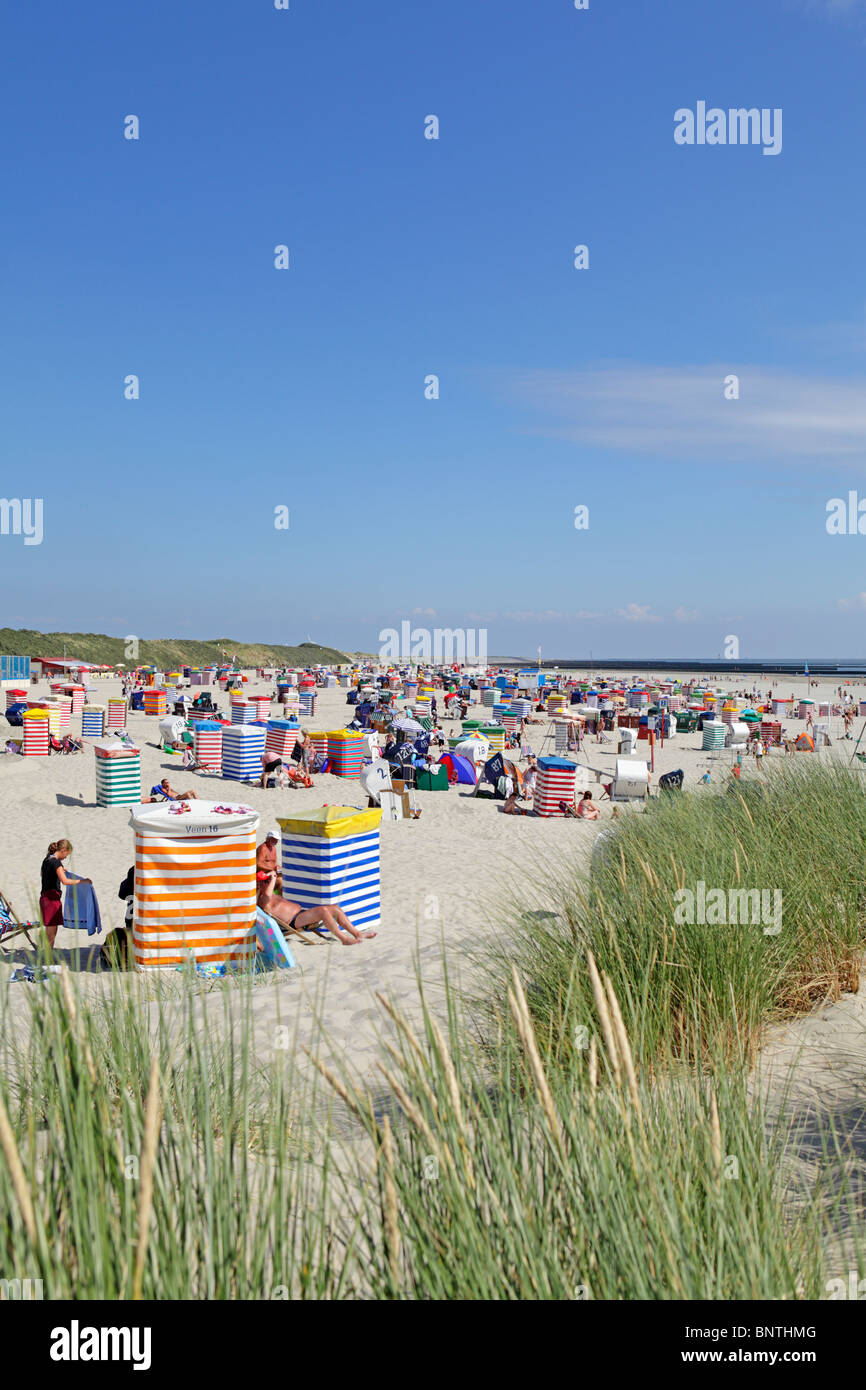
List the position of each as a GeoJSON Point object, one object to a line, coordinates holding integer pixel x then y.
{"type": "Point", "coordinates": [586, 808]}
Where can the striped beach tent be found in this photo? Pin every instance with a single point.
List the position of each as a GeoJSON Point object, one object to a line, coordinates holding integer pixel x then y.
{"type": "Point", "coordinates": [118, 774]}
{"type": "Point", "coordinates": [208, 743]}
{"type": "Point", "coordinates": [495, 735]}
{"type": "Point", "coordinates": [555, 782]}
{"type": "Point", "coordinates": [154, 703]}
{"type": "Point", "coordinates": [280, 738]}
{"type": "Point", "coordinates": [51, 707]}
{"type": "Point", "coordinates": [561, 729]}
{"type": "Point", "coordinates": [92, 721]}
{"type": "Point", "coordinates": [195, 884]}
{"type": "Point", "coordinates": [331, 856]}
{"type": "Point", "coordinates": [77, 694]}
{"type": "Point", "coordinates": [713, 734]}
{"type": "Point", "coordinates": [35, 723]}
{"type": "Point", "coordinates": [243, 712]}
{"type": "Point", "coordinates": [243, 746]}
{"type": "Point", "coordinates": [346, 753]}
{"type": "Point", "coordinates": [117, 713]}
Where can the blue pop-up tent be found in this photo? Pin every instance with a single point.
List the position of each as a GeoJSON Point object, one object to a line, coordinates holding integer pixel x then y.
{"type": "Point", "coordinates": [460, 769]}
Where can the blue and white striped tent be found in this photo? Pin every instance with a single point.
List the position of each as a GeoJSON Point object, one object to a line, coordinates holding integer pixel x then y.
{"type": "Point", "coordinates": [331, 857]}
{"type": "Point", "coordinates": [243, 746]}
{"type": "Point", "coordinates": [93, 721]}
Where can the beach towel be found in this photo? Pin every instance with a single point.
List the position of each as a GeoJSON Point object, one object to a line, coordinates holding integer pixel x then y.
{"type": "Point", "coordinates": [81, 910]}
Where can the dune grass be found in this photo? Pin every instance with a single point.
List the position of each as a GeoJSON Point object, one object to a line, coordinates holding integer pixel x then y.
{"type": "Point", "coordinates": [695, 990]}
{"type": "Point", "coordinates": [151, 1157]}
{"type": "Point", "coordinates": [161, 1160]}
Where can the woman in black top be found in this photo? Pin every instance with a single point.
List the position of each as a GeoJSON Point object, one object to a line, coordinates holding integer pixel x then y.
{"type": "Point", "coordinates": [53, 875]}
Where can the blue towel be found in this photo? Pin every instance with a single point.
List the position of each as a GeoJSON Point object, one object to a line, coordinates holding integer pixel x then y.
{"type": "Point", "coordinates": [81, 910]}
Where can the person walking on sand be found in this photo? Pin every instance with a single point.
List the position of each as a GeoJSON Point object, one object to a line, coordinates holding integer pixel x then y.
{"type": "Point", "coordinates": [297, 918]}
{"type": "Point", "coordinates": [53, 875]}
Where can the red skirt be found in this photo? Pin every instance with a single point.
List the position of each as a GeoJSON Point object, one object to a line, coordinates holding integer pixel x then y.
{"type": "Point", "coordinates": [51, 907]}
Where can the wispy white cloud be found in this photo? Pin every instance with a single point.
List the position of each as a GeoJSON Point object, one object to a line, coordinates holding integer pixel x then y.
{"type": "Point", "coordinates": [423, 612]}
{"type": "Point", "coordinates": [685, 615]}
{"type": "Point", "coordinates": [682, 412]}
{"type": "Point", "coordinates": [550, 615]}
{"type": "Point", "coordinates": [856, 601]}
{"type": "Point", "coordinates": [638, 613]}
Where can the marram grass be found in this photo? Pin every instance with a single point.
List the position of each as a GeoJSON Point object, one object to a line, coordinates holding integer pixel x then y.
{"type": "Point", "coordinates": [696, 990]}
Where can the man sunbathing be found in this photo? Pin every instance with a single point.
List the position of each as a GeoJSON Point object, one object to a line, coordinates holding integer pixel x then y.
{"type": "Point", "coordinates": [296, 918]}
{"type": "Point", "coordinates": [163, 792]}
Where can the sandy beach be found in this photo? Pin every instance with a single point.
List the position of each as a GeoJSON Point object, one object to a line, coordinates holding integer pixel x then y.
{"type": "Point", "coordinates": [448, 879]}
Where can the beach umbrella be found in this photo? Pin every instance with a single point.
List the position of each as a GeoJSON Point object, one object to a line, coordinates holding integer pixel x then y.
{"type": "Point", "coordinates": [409, 726]}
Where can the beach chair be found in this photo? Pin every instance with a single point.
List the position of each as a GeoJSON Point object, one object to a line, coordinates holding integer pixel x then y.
{"type": "Point", "coordinates": [10, 925]}
{"type": "Point", "coordinates": [193, 764]}
{"type": "Point", "coordinates": [630, 783]}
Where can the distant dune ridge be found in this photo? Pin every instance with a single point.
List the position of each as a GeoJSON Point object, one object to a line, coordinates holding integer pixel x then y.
{"type": "Point", "coordinates": [166, 653]}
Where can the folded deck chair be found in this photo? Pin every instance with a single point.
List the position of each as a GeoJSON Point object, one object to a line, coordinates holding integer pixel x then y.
{"type": "Point", "coordinates": [192, 764]}
{"type": "Point", "coordinates": [10, 926]}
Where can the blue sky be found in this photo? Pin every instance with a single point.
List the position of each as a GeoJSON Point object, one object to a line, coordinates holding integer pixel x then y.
{"type": "Point", "coordinates": [408, 257]}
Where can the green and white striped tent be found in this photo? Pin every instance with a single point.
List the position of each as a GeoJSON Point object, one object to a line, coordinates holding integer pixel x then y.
{"type": "Point", "coordinates": [118, 774]}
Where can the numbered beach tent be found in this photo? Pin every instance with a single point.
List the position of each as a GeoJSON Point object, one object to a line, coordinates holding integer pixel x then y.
{"type": "Point", "coordinates": [195, 883]}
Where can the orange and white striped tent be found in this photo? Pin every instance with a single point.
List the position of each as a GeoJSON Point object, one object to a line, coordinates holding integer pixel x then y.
{"type": "Point", "coordinates": [195, 883]}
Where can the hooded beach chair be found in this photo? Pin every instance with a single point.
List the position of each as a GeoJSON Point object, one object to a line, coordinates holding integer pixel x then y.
{"type": "Point", "coordinates": [10, 925]}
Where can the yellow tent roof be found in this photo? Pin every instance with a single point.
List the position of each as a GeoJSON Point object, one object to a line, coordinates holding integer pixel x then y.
{"type": "Point", "coordinates": [332, 822]}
